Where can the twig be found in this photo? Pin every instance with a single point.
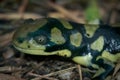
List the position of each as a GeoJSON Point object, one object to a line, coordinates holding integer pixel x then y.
{"type": "Point", "coordinates": [61, 71]}
{"type": "Point", "coordinates": [9, 69]}
{"type": "Point", "coordinates": [38, 77]}
{"type": "Point", "coordinates": [6, 39]}
{"type": "Point", "coordinates": [116, 69]}
{"type": "Point", "coordinates": [18, 16]}
{"type": "Point", "coordinates": [113, 17]}
{"type": "Point", "coordinates": [9, 77]}
{"type": "Point", "coordinates": [80, 72]}
{"type": "Point", "coordinates": [6, 36]}
{"type": "Point", "coordinates": [65, 12]}
{"type": "Point", "coordinates": [50, 74]}
{"type": "Point", "coordinates": [22, 7]}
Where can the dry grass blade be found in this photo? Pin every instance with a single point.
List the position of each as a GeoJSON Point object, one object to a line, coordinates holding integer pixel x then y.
{"type": "Point", "coordinates": [23, 7]}
{"type": "Point", "coordinates": [9, 77]}
{"type": "Point", "coordinates": [39, 77]}
{"type": "Point", "coordinates": [47, 76]}
{"type": "Point", "coordinates": [6, 39]}
{"type": "Point", "coordinates": [116, 69]}
{"type": "Point", "coordinates": [61, 71]}
{"type": "Point", "coordinates": [6, 69]}
{"type": "Point", "coordinates": [18, 16]}
{"type": "Point", "coordinates": [65, 12]}
{"type": "Point", "coordinates": [80, 72]}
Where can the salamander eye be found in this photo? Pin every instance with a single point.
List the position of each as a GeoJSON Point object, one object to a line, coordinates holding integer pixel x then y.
{"type": "Point", "coordinates": [40, 39]}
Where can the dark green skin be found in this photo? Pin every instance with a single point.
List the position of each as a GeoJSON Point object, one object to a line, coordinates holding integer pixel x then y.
{"type": "Point", "coordinates": [111, 42]}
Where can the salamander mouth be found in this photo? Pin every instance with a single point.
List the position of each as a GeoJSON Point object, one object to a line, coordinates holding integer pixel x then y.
{"type": "Point", "coordinates": [34, 51]}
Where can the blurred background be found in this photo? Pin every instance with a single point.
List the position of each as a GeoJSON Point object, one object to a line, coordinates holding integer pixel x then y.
{"type": "Point", "coordinates": [69, 9]}
{"type": "Point", "coordinates": [12, 15]}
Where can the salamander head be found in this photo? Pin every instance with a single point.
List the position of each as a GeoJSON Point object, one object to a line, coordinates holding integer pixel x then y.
{"type": "Point", "coordinates": [39, 37]}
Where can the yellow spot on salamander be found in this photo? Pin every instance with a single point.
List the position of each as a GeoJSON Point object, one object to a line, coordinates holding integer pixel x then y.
{"type": "Point", "coordinates": [66, 24]}
{"type": "Point", "coordinates": [64, 53]}
{"type": "Point", "coordinates": [111, 57]}
{"type": "Point", "coordinates": [76, 39]}
{"type": "Point", "coordinates": [98, 44]}
{"type": "Point", "coordinates": [56, 36]}
{"type": "Point", "coordinates": [83, 60]}
{"type": "Point", "coordinates": [90, 29]}
{"type": "Point", "coordinates": [31, 43]}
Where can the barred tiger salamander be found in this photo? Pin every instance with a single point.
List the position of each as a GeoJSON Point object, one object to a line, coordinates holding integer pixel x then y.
{"type": "Point", "coordinates": [96, 46]}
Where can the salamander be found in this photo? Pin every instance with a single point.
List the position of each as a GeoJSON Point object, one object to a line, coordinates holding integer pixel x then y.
{"type": "Point", "coordinates": [94, 46]}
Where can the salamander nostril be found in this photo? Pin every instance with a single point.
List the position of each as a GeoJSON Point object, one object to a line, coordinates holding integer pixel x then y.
{"type": "Point", "coordinates": [20, 40]}
{"type": "Point", "coordinates": [28, 46]}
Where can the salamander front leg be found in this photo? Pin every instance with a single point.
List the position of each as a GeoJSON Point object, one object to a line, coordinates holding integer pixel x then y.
{"type": "Point", "coordinates": [106, 67]}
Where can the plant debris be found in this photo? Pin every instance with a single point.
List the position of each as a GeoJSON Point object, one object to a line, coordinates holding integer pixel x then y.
{"type": "Point", "coordinates": [15, 65]}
